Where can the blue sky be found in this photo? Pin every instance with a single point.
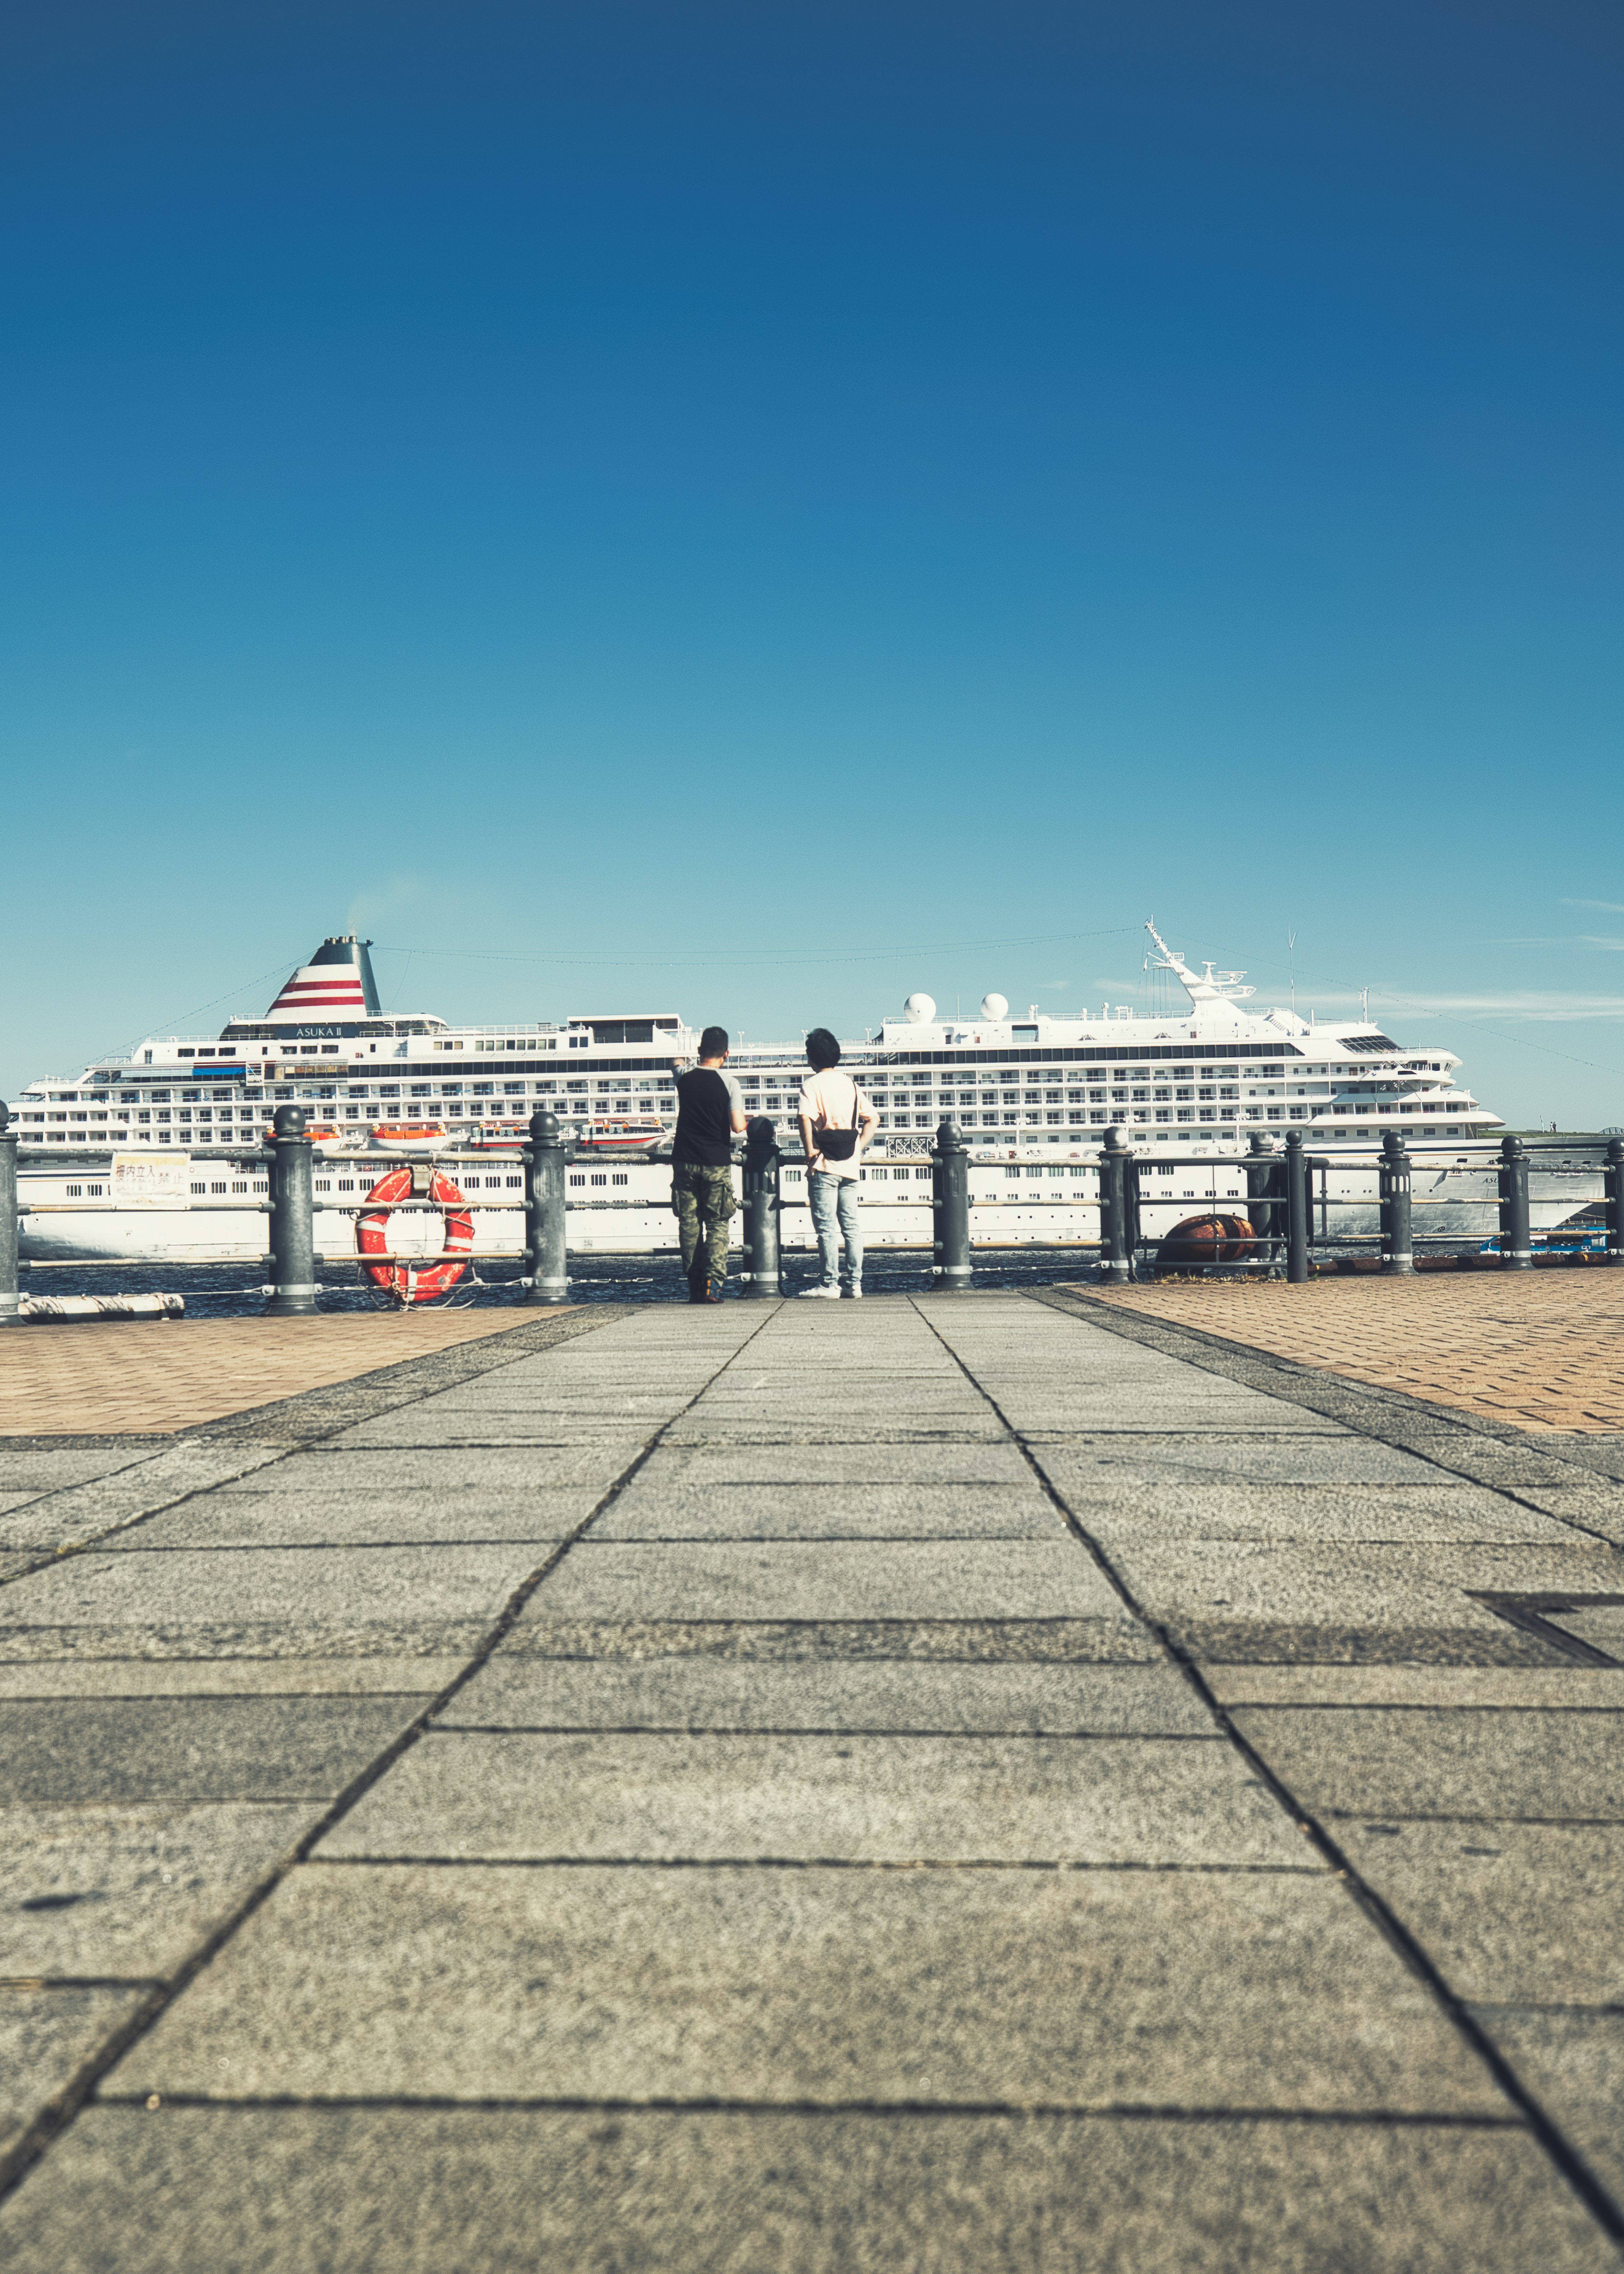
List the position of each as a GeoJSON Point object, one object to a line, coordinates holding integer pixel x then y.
{"type": "Point", "coordinates": [755, 509]}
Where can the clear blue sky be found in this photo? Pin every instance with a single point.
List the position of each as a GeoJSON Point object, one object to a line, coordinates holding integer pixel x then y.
{"type": "Point", "coordinates": [731, 507]}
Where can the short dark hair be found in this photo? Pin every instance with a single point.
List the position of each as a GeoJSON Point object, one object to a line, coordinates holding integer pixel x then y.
{"type": "Point", "coordinates": [713, 1042]}
{"type": "Point", "coordinates": [822, 1049]}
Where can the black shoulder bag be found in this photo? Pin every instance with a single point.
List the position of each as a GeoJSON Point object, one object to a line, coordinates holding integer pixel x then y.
{"type": "Point", "coordinates": [841, 1144]}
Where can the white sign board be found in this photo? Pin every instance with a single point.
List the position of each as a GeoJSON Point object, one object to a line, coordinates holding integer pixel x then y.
{"type": "Point", "coordinates": [151, 1179]}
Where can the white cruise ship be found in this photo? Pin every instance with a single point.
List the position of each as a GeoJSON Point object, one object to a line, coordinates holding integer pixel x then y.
{"type": "Point", "coordinates": [1032, 1095]}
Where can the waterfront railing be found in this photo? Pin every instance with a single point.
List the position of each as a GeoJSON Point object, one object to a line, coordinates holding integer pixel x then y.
{"type": "Point", "coordinates": [1285, 1191]}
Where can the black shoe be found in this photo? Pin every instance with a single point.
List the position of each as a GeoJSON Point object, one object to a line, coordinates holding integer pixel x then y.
{"type": "Point", "coordinates": [702, 1290]}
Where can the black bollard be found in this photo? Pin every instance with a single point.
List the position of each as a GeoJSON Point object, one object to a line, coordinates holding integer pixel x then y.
{"type": "Point", "coordinates": [1115, 1234]}
{"type": "Point", "coordinates": [1262, 1195]}
{"type": "Point", "coordinates": [1394, 1189]}
{"type": "Point", "coordinates": [1516, 1251]}
{"type": "Point", "coordinates": [1613, 1187]}
{"type": "Point", "coordinates": [10, 1309]}
{"type": "Point", "coordinates": [545, 1204]}
{"type": "Point", "coordinates": [293, 1221]}
{"type": "Point", "coordinates": [950, 1210]}
{"type": "Point", "coordinates": [1296, 1209]}
{"type": "Point", "coordinates": [762, 1271]}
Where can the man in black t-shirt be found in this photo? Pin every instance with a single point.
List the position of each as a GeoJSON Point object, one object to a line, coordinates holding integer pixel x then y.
{"type": "Point", "coordinates": [709, 1114]}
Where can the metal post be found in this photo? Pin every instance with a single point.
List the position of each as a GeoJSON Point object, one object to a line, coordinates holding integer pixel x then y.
{"type": "Point", "coordinates": [1296, 1208]}
{"type": "Point", "coordinates": [1262, 1212]}
{"type": "Point", "coordinates": [1614, 1189]}
{"type": "Point", "coordinates": [10, 1310]}
{"type": "Point", "coordinates": [293, 1222]}
{"type": "Point", "coordinates": [1114, 1236]}
{"type": "Point", "coordinates": [545, 1205]}
{"type": "Point", "coordinates": [761, 1273]}
{"type": "Point", "coordinates": [1516, 1251]}
{"type": "Point", "coordinates": [950, 1210]}
{"type": "Point", "coordinates": [1394, 1189]}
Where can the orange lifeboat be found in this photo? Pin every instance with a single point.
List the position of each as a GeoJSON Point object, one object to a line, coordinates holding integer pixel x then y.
{"type": "Point", "coordinates": [388, 1134]}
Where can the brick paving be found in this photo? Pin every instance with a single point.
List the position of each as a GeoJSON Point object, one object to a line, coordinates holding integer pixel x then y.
{"type": "Point", "coordinates": [105, 1376]}
{"type": "Point", "coordinates": [1539, 1349]}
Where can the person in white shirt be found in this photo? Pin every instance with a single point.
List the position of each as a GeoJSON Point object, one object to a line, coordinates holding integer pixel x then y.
{"type": "Point", "coordinates": [837, 1121]}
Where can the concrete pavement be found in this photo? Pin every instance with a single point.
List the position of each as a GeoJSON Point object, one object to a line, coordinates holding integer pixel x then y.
{"type": "Point", "coordinates": [943, 1785]}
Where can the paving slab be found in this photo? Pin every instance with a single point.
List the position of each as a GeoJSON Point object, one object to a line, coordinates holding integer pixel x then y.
{"type": "Point", "coordinates": [48, 2036]}
{"type": "Point", "coordinates": [1521, 1913]}
{"type": "Point", "coordinates": [1599, 1624]}
{"type": "Point", "coordinates": [820, 1430]}
{"type": "Point", "coordinates": [518, 1797]}
{"type": "Point", "coordinates": [1190, 1989]}
{"type": "Point", "coordinates": [382, 1519]}
{"type": "Point", "coordinates": [129, 1891]}
{"type": "Point", "coordinates": [654, 1507]}
{"type": "Point", "coordinates": [617, 1412]}
{"type": "Point", "coordinates": [1118, 1639]}
{"type": "Point", "coordinates": [1389, 1761]}
{"type": "Point", "coordinates": [541, 1435]}
{"type": "Point", "coordinates": [363, 2190]}
{"type": "Point", "coordinates": [805, 1390]}
{"type": "Point", "coordinates": [790, 1580]}
{"type": "Point", "coordinates": [243, 1678]}
{"type": "Point", "coordinates": [1391, 1515]}
{"type": "Point", "coordinates": [291, 1587]}
{"type": "Point", "coordinates": [705, 1693]}
{"type": "Point", "coordinates": [1572, 2063]}
{"type": "Point", "coordinates": [1597, 1510]}
{"type": "Point", "coordinates": [35, 1469]}
{"type": "Point", "coordinates": [462, 1468]}
{"type": "Point", "coordinates": [1566, 1686]}
{"type": "Point", "coordinates": [346, 1631]}
{"type": "Point", "coordinates": [1207, 1456]}
{"type": "Point", "coordinates": [876, 1463]}
{"type": "Point", "coordinates": [83, 1751]}
{"type": "Point", "coordinates": [1200, 1588]}
{"type": "Point", "coordinates": [76, 1513]}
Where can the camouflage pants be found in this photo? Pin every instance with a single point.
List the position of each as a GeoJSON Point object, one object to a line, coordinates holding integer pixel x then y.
{"type": "Point", "coordinates": [703, 1200]}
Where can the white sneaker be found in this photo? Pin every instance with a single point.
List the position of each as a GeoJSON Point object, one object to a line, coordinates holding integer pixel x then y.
{"type": "Point", "coordinates": [820, 1294]}
{"type": "Point", "coordinates": [855, 1293]}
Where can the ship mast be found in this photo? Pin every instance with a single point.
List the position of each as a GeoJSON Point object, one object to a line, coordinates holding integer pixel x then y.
{"type": "Point", "coordinates": [1209, 986]}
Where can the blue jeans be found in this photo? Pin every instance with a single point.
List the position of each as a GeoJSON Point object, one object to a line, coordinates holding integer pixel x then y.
{"type": "Point", "coordinates": [833, 1197]}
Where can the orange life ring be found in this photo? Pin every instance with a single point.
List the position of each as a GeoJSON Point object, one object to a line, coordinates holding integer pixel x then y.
{"type": "Point", "coordinates": [413, 1282]}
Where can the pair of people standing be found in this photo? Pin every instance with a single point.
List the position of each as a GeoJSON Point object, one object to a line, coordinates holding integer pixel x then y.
{"type": "Point", "coordinates": [837, 1121]}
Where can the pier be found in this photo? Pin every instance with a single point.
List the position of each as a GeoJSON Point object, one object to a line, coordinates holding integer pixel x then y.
{"type": "Point", "coordinates": [988, 1782]}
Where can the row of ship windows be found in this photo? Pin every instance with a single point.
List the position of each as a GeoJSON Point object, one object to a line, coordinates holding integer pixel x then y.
{"type": "Point", "coordinates": [1130, 1086]}
{"type": "Point", "coordinates": [623, 1100]}
{"type": "Point", "coordinates": [183, 1125]}
{"type": "Point", "coordinates": [588, 1179]}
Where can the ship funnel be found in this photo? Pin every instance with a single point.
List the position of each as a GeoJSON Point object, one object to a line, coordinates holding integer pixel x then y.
{"type": "Point", "coordinates": [337, 982]}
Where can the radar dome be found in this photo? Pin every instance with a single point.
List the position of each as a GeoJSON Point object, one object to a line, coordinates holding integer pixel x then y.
{"type": "Point", "coordinates": [919, 1008]}
{"type": "Point", "coordinates": [995, 1007]}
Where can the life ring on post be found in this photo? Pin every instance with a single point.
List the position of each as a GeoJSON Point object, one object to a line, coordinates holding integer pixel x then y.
{"type": "Point", "coordinates": [416, 1282]}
